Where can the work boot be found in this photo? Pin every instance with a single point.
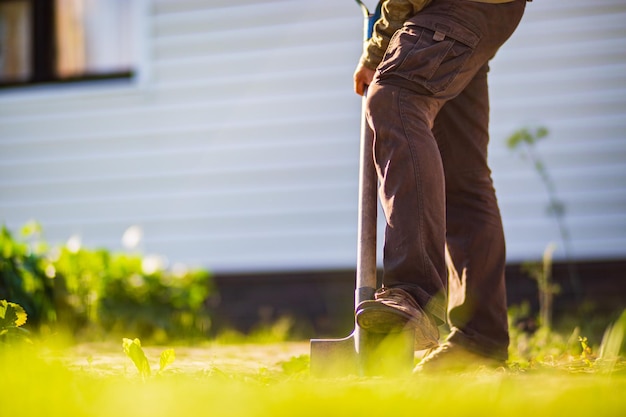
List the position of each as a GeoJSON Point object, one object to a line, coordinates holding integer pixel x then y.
{"type": "Point", "coordinates": [394, 310]}
{"type": "Point", "coordinates": [451, 357]}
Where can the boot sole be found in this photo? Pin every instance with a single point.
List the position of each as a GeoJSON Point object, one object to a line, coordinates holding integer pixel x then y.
{"type": "Point", "coordinates": [376, 317]}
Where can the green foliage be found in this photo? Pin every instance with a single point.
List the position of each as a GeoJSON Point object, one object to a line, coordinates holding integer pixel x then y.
{"type": "Point", "coordinates": [544, 348]}
{"type": "Point", "coordinates": [91, 292]}
{"type": "Point", "coordinates": [23, 278]}
{"type": "Point", "coordinates": [297, 365]}
{"type": "Point", "coordinates": [526, 136]}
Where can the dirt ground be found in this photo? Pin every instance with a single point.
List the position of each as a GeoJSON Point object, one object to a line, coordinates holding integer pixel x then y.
{"type": "Point", "coordinates": [109, 358]}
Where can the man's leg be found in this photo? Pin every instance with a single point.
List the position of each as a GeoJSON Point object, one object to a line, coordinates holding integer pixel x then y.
{"type": "Point", "coordinates": [436, 56]}
{"type": "Point", "coordinates": [412, 194]}
{"type": "Point", "coordinates": [475, 238]}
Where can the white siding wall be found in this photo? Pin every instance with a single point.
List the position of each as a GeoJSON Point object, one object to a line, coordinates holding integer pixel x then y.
{"type": "Point", "coordinates": [236, 148]}
{"type": "Point", "coordinates": [565, 68]}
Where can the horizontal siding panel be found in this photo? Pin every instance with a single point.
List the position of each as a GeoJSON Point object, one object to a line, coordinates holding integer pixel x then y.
{"type": "Point", "coordinates": [249, 104]}
{"type": "Point", "coordinates": [228, 87]}
{"type": "Point", "coordinates": [248, 111]}
{"type": "Point", "coordinates": [532, 250]}
{"type": "Point", "coordinates": [267, 40]}
{"type": "Point", "coordinates": [567, 165]}
{"type": "Point", "coordinates": [165, 7]}
{"type": "Point", "coordinates": [253, 158]}
{"type": "Point", "coordinates": [257, 85]}
{"type": "Point", "coordinates": [599, 204]}
{"type": "Point", "coordinates": [559, 12]}
{"type": "Point", "coordinates": [262, 14]}
{"type": "Point", "coordinates": [585, 103]}
{"type": "Point", "coordinates": [321, 248]}
{"type": "Point", "coordinates": [218, 225]}
{"type": "Point", "coordinates": [535, 235]}
{"type": "Point", "coordinates": [251, 63]}
{"type": "Point", "coordinates": [252, 206]}
{"type": "Point", "coordinates": [202, 182]}
{"type": "Point", "coordinates": [583, 52]}
{"type": "Point", "coordinates": [567, 29]}
{"type": "Point", "coordinates": [220, 138]}
{"type": "Point", "coordinates": [50, 100]}
{"type": "Point", "coordinates": [604, 78]}
{"type": "Point", "coordinates": [105, 181]}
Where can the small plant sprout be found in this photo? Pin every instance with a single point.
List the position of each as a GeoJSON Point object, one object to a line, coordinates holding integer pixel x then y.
{"type": "Point", "coordinates": [542, 273]}
{"type": "Point", "coordinates": [611, 346]}
{"type": "Point", "coordinates": [132, 349]}
{"type": "Point", "coordinates": [167, 357]}
{"type": "Point", "coordinates": [586, 355]}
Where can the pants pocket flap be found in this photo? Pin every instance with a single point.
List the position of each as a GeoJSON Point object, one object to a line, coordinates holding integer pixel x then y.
{"type": "Point", "coordinates": [452, 30]}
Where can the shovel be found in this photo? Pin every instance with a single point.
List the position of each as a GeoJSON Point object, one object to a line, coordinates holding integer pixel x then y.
{"type": "Point", "coordinates": [364, 353]}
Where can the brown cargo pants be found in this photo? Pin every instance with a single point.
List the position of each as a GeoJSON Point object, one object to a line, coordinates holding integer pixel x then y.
{"type": "Point", "coordinates": [429, 109]}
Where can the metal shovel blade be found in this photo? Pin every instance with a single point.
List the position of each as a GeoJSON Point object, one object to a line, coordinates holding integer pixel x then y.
{"type": "Point", "coordinates": [378, 355]}
{"type": "Point", "coordinates": [334, 357]}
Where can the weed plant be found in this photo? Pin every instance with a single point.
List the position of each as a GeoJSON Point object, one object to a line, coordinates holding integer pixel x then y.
{"type": "Point", "coordinates": [524, 142]}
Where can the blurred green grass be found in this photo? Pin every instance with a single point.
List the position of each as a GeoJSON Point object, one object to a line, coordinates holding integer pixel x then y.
{"type": "Point", "coordinates": [272, 380]}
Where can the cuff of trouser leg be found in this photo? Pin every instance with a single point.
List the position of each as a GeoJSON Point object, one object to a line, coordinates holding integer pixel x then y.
{"type": "Point", "coordinates": [435, 306]}
{"type": "Point", "coordinates": [478, 344]}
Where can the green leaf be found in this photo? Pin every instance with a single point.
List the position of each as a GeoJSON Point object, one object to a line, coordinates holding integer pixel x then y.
{"type": "Point", "coordinates": [612, 344]}
{"type": "Point", "coordinates": [524, 135]}
{"type": "Point", "coordinates": [11, 314]}
{"type": "Point", "coordinates": [132, 349]}
{"type": "Point", "coordinates": [167, 357]}
{"type": "Point", "coordinates": [296, 365]}
{"type": "Point", "coordinates": [541, 132]}
{"type": "Point", "coordinates": [3, 309]}
{"type": "Point", "coordinates": [514, 140]}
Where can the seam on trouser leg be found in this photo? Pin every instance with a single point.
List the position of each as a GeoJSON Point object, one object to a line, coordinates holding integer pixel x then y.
{"type": "Point", "coordinates": [417, 177]}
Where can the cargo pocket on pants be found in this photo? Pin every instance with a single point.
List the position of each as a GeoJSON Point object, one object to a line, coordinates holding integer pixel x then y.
{"type": "Point", "coordinates": [428, 53]}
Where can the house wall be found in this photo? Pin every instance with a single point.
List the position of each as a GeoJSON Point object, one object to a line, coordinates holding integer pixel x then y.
{"type": "Point", "coordinates": [235, 147]}
{"type": "Point", "coordinates": [564, 69]}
